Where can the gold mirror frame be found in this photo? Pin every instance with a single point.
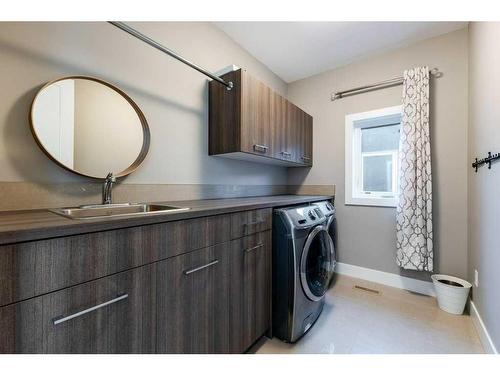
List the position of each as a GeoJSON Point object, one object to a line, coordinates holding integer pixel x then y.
{"type": "Point", "coordinates": [145, 128]}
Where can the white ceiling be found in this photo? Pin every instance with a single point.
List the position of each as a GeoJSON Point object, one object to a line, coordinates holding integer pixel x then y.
{"type": "Point", "coordinates": [295, 50]}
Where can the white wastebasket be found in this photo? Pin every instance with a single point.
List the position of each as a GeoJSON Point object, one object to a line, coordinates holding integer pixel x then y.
{"type": "Point", "coordinates": [451, 293]}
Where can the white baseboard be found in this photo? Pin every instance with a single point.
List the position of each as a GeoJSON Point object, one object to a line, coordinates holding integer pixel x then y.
{"type": "Point", "coordinates": [386, 278]}
{"type": "Point", "coordinates": [418, 286]}
{"type": "Point", "coordinates": [484, 336]}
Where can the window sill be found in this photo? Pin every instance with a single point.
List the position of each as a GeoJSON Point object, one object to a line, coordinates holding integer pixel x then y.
{"type": "Point", "coordinates": [375, 202]}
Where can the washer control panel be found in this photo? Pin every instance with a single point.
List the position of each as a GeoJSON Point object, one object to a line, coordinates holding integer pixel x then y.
{"type": "Point", "coordinates": [305, 216]}
{"type": "Point", "coordinates": [325, 207]}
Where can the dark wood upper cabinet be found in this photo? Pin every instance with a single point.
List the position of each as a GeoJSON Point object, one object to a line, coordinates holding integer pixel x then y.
{"type": "Point", "coordinates": [252, 122]}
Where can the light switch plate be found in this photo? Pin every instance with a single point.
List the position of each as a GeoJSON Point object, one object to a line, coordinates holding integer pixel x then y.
{"type": "Point", "coordinates": [476, 278]}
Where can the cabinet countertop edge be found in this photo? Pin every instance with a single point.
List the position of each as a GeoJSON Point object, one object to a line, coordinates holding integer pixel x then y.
{"type": "Point", "coordinates": [31, 225]}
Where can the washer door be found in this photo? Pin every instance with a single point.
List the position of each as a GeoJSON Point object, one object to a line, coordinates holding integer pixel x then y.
{"type": "Point", "coordinates": [316, 263]}
{"type": "Point", "coordinates": [332, 222]}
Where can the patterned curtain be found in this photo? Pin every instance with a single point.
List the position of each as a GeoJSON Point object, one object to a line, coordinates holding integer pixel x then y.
{"type": "Point", "coordinates": [414, 246]}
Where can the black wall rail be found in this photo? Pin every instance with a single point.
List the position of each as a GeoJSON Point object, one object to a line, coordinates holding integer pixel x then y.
{"type": "Point", "coordinates": [486, 160]}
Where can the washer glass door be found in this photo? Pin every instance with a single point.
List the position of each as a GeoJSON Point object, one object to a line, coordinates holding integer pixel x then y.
{"type": "Point", "coordinates": [331, 226]}
{"type": "Point", "coordinates": [316, 263]}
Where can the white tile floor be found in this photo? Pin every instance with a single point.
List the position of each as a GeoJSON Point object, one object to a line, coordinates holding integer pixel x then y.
{"type": "Point", "coordinates": [393, 321]}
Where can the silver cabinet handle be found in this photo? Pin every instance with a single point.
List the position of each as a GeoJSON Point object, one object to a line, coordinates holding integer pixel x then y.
{"type": "Point", "coordinates": [260, 148]}
{"type": "Point", "coordinates": [62, 319]}
{"type": "Point", "coordinates": [305, 158]}
{"type": "Point", "coordinates": [201, 267]}
{"type": "Point", "coordinates": [286, 154]}
{"type": "Point", "coordinates": [253, 248]}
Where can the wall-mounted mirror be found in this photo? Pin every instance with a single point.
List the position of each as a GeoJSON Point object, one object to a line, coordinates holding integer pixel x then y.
{"type": "Point", "coordinates": [89, 127]}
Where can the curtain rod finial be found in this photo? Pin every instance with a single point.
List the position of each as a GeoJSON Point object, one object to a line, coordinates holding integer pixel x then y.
{"type": "Point", "coordinates": [336, 96]}
{"type": "Point", "coordinates": [435, 72]}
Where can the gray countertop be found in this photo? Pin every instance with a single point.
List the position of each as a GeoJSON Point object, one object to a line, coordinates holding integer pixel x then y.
{"type": "Point", "coordinates": [29, 225]}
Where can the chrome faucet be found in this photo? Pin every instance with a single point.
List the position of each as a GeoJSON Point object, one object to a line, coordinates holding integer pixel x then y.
{"type": "Point", "coordinates": [106, 189]}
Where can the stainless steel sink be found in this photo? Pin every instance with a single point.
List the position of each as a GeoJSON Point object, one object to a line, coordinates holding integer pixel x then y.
{"type": "Point", "coordinates": [113, 210]}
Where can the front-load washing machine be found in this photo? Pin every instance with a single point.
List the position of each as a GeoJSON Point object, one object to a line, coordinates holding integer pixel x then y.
{"type": "Point", "coordinates": [303, 262]}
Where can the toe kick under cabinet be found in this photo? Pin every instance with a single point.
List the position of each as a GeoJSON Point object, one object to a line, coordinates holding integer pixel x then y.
{"type": "Point", "coordinates": [252, 122]}
{"type": "Point", "coordinates": [193, 286]}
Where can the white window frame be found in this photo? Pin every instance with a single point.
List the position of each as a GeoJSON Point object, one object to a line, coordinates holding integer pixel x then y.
{"type": "Point", "coordinates": [354, 162]}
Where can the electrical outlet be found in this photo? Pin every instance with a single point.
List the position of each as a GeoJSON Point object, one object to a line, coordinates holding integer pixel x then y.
{"type": "Point", "coordinates": [476, 278]}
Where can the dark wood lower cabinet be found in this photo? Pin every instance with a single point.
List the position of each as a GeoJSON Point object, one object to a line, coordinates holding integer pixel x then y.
{"type": "Point", "coordinates": [193, 303]}
{"type": "Point", "coordinates": [212, 300]}
{"type": "Point", "coordinates": [115, 314]}
{"type": "Point", "coordinates": [20, 327]}
{"type": "Point", "coordinates": [215, 300]}
{"type": "Point", "coordinates": [34, 268]}
{"type": "Point", "coordinates": [250, 310]}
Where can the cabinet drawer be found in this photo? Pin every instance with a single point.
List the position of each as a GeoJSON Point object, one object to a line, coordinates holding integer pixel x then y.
{"type": "Point", "coordinates": [187, 235]}
{"type": "Point", "coordinates": [32, 268]}
{"type": "Point", "coordinates": [193, 303]}
{"type": "Point", "coordinates": [249, 222]}
{"type": "Point", "coordinates": [115, 314]}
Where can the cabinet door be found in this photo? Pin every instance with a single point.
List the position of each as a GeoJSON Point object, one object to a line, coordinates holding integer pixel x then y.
{"type": "Point", "coordinates": [256, 135]}
{"type": "Point", "coordinates": [301, 123]}
{"type": "Point", "coordinates": [283, 141]}
{"type": "Point", "coordinates": [250, 309]}
{"type": "Point", "coordinates": [193, 309]}
{"type": "Point", "coordinates": [308, 139]}
{"type": "Point", "coordinates": [293, 128]}
{"type": "Point", "coordinates": [115, 314]}
{"type": "Point", "coordinates": [304, 137]}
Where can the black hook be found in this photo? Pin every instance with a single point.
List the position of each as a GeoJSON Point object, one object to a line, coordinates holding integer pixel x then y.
{"type": "Point", "coordinates": [475, 165]}
{"type": "Point", "coordinates": [487, 160]}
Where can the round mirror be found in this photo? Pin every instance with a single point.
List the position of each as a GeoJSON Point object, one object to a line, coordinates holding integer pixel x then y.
{"type": "Point", "coordinates": [89, 127]}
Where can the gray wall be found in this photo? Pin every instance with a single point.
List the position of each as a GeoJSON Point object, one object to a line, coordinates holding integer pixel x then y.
{"type": "Point", "coordinates": [172, 96]}
{"type": "Point", "coordinates": [484, 187]}
{"type": "Point", "coordinates": [367, 234]}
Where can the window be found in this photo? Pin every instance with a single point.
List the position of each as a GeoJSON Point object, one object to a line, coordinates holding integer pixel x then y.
{"type": "Point", "coordinates": [372, 143]}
